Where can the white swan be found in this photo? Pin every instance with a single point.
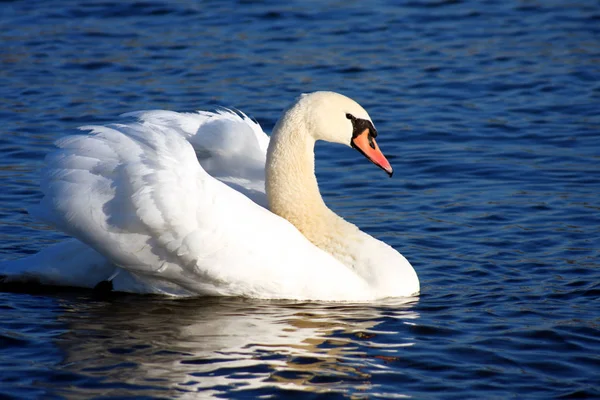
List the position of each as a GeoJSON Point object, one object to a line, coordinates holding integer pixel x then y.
{"type": "Point", "coordinates": [150, 218]}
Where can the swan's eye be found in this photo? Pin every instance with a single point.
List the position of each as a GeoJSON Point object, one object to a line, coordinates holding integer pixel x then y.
{"type": "Point", "coordinates": [350, 117]}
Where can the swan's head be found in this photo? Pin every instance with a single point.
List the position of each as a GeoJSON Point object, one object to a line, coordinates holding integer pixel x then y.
{"type": "Point", "coordinates": [336, 118]}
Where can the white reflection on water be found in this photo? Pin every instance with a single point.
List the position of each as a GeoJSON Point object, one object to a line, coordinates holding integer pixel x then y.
{"type": "Point", "coordinates": [222, 346]}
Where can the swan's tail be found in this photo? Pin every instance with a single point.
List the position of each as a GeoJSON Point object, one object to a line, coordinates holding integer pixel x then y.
{"type": "Point", "coordinates": [69, 263]}
{"type": "Point", "coordinates": [73, 263]}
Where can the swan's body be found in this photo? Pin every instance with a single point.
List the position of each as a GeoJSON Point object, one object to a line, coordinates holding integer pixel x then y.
{"type": "Point", "coordinates": [152, 219]}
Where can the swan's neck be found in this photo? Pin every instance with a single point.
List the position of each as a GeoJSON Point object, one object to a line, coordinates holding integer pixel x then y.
{"type": "Point", "coordinates": [292, 188]}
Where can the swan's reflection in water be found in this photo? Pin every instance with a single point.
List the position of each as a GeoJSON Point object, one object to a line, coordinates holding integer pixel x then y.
{"type": "Point", "coordinates": [187, 348]}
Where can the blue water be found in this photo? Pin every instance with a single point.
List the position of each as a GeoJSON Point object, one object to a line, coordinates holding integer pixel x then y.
{"type": "Point", "coordinates": [488, 111]}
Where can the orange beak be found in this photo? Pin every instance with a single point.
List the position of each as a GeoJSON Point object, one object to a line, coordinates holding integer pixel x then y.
{"type": "Point", "coordinates": [366, 144]}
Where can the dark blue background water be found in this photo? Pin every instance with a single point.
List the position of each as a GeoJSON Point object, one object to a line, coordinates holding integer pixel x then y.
{"type": "Point", "coordinates": [490, 114]}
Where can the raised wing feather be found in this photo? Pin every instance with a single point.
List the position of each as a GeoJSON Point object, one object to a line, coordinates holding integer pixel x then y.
{"type": "Point", "coordinates": [229, 145]}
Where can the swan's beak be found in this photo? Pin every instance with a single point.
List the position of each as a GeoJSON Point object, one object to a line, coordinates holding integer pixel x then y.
{"type": "Point", "coordinates": [366, 144]}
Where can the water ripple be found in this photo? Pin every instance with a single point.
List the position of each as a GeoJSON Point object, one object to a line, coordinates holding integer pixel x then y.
{"type": "Point", "coordinates": [488, 113]}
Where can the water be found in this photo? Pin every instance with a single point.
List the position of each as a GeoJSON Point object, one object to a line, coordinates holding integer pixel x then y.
{"type": "Point", "coordinates": [489, 114]}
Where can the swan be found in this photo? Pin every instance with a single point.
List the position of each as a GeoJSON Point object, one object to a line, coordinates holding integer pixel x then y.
{"type": "Point", "coordinates": [206, 204]}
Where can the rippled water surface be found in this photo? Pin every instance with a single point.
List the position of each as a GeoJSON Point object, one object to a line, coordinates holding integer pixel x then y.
{"type": "Point", "coordinates": [489, 112]}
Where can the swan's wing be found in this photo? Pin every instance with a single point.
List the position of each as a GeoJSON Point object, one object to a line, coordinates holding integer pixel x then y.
{"type": "Point", "coordinates": [229, 145]}
{"type": "Point", "coordinates": [137, 195]}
